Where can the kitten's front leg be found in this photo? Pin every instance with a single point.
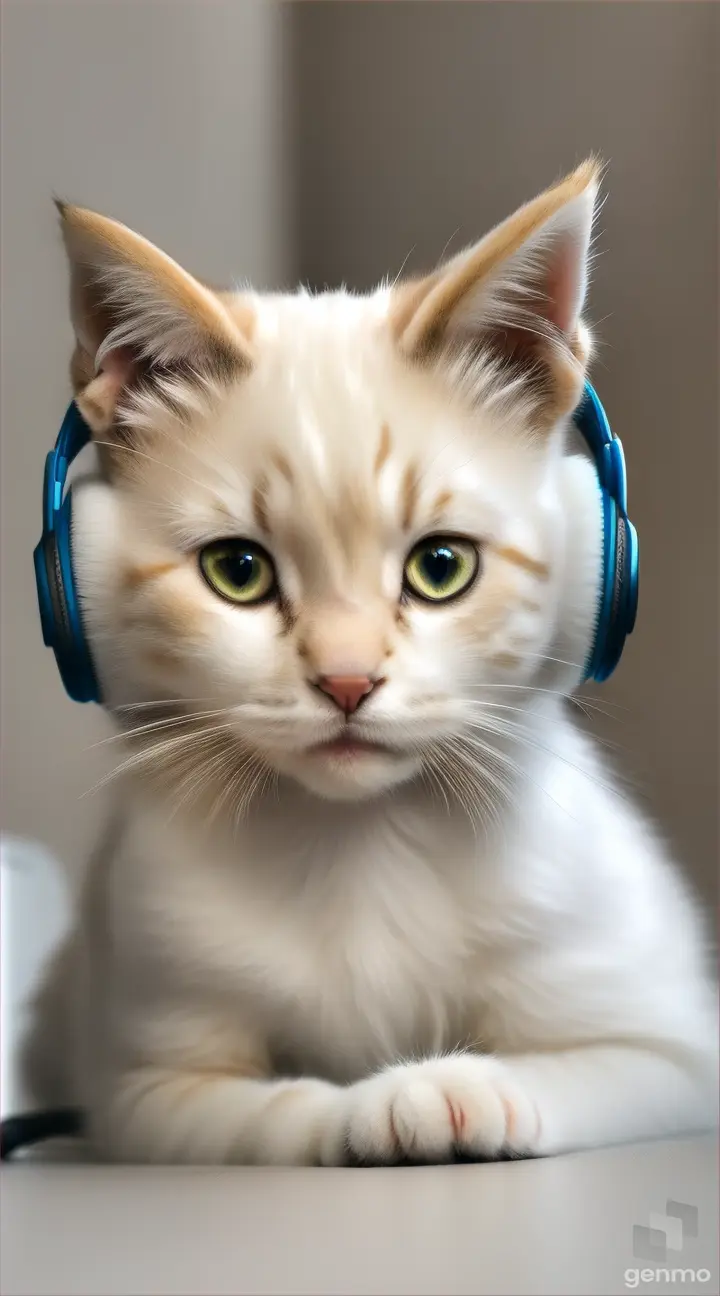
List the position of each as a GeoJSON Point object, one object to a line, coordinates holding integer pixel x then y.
{"type": "Point", "coordinates": [531, 1104]}
{"type": "Point", "coordinates": [426, 1112]}
{"type": "Point", "coordinates": [477, 1106]}
{"type": "Point", "coordinates": [163, 1116]}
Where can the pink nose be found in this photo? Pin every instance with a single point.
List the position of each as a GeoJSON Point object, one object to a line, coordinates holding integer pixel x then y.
{"type": "Point", "coordinates": [346, 691]}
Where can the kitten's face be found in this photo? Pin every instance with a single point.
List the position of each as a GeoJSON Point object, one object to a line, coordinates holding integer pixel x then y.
{"type": "Point", "coordinates": [332, 469]}
{"type": "Point", "coordinates": [340, 557]}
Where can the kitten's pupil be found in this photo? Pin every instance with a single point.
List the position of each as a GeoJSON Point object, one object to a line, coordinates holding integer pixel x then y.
{"type": "Point", "coordinates": [439, 565]}
{"type": "Point", "coordinates": [238, 569]}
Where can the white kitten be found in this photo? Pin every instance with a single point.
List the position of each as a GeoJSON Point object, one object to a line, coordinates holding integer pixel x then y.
{"type": "Point", "coordinates": [367, 891]}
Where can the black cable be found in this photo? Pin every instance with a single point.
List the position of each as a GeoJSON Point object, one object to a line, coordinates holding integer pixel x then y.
{"type": "Point", "coordinates": [17, 1132]}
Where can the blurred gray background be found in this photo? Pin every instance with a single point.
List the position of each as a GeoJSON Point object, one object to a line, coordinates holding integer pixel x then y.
{"type": "Point", "coordinates": [326, 142]}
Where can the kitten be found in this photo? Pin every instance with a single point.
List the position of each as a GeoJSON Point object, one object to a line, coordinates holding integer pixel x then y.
{"type": "Point", "coordinates": [368, 893]}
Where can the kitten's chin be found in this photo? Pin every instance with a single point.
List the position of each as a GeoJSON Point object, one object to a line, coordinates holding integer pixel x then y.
{"type": "Point", "coordinates": [349, 776]}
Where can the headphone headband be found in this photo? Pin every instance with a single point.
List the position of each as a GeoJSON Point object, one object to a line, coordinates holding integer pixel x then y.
{"type": "Point", "coordinates": [73, 436]}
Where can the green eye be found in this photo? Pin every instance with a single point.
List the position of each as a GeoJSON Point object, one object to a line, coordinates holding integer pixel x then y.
{"type": "Point", "coordinates": [440, 567]}
{"type": "Point", "coordinates": [238, 571]}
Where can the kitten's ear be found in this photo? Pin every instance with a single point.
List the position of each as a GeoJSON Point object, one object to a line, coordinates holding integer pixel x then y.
{"type": "Point", "coordinates": [136, 313]}
{"type": "Point", "coordinates": [514, 298]}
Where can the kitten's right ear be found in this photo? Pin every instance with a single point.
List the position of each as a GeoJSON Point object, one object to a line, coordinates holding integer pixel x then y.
{"type": "Point", "coordinates": [136, 312]}
{"type": "Point", "coordinates": [513, 299]}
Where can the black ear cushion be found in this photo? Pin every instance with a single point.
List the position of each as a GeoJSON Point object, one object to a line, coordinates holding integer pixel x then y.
{"type": "Point", "coordinates": [57, 593]}
{"type": "Point", "coordinates": [620, 573]}
{"type": "Point", "coordinates": [615, 625]}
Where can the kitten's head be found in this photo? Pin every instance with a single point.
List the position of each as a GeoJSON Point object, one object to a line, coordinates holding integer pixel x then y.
{"type": "Point", "coordinates": [337, 529]}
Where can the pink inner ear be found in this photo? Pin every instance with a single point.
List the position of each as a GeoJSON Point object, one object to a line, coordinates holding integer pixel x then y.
{"type": "Point", "coordinates": [562, 287]}
{"type": "Point", "coordinates": [97, 401]}
{"type": "Point", "coordinates": [118, 368]}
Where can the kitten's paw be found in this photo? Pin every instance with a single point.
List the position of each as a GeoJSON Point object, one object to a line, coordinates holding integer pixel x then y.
{"type": "Point", "coordinates": [432, 1111]}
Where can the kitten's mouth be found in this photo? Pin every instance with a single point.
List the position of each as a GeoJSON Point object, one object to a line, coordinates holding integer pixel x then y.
{"type": "Point", "coordinates": [351, 766]}
{"type": "Point", "coordinates": [346, 745]}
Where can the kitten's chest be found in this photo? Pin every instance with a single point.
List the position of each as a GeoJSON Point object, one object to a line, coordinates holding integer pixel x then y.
{"type": "Point", "coordinates": [360, 957]}
{"type": "Point", "coordinates": [370, 979]}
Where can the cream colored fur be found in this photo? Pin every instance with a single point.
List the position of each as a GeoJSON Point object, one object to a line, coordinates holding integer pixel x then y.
{"type": "Point", "coordinates": [470, 942]}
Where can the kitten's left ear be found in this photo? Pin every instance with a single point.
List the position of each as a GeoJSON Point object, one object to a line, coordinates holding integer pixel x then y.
{"type": "Point", "coordinates": [137, 313]}
{"type": "Point", "coordinates": [515, 297]}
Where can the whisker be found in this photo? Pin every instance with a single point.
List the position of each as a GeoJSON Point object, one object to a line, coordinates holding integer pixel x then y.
{"type": "Point", "coordinates": [484, 707]}
{"type": "Point", "coordinates": [475, 789]}
{"type": "Point", "coordinates": [155, 751]}
{"type": "Point", "coordinates": [142, 454]}
{"type": "Point", "coordinates": [239, 785]}
{"type": "Point", "coordinates": [559, 660]}
{"type": "Point", "coordinates": [198, 778]}
{"type": "Point", "coordinates": [515, 733]}
{"type": "Point", "coordinates": [524, 773]}
{"type": "Point", "coordinates": [534, 688]}
{"type": "Point", "coordinates": [464, 782]}
{"type": "Point", "coordinates": [153, 726]}
{"type": "Point", "coordinates": [157, 702]}
{"type": "Point", "coordinates": [429, 772]}
{"type": "Point", "coordinates": [505, 706]}
{"type": "Point", "coordinates": [501, 759]}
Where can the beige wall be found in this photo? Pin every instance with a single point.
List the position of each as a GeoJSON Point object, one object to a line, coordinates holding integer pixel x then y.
{"type": "Point", "coordinates": [170, 120]}
{"type": "Point", "coordinates": [414, 124]}
{"type": "Point", "coordinates": [423, 123]}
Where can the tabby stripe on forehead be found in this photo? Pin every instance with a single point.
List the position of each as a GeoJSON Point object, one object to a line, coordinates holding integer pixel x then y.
{"type": "Point", "coordinates": [521, 559]}
{"type": "Point", "coordinates": [282, 466]}
{"type": "Point", "coordinates": [383, 450]}
{"type": "Point", "coordinates": [259, 505]}
{"type": "Point", "coordinates": [409, 495]}
{"type": "Point", "coordinates": [444, 499]}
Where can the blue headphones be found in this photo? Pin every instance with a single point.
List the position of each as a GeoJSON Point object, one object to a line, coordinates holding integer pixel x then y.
{"type": "Point", "coordinates": [61, 615]}
{"type": "Point", "coordinates": [619, 582]}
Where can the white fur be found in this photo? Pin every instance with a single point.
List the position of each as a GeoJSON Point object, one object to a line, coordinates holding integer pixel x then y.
{"type": "Point", "coordinates": [386, 956]}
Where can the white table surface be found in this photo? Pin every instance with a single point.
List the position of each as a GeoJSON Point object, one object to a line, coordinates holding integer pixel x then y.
{"type": "Point", "coordinates": [554, 1226]}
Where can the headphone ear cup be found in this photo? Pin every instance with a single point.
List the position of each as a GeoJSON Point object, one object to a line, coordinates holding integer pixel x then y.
{"type": "Point", "coordinates": [598, 601]}
{"type": "Point", "coordinates": [617, 615]}
{"type": "Point", "coordinates": [597, 663]}
{"type": "Point", "coordinates": [632, 575]}
{"type": "Point", "coordinates": [70, 644]}
{"type": "Point", "coordinates": [58, 602]}
{"type": "Point", "coordinates": [51, 603]}
{"type": "Point", "coordinates": [583, 507]}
